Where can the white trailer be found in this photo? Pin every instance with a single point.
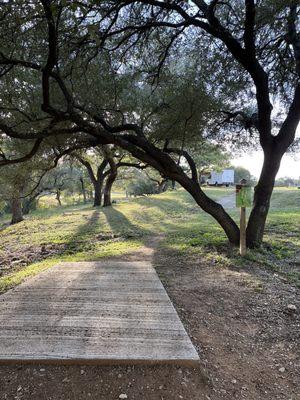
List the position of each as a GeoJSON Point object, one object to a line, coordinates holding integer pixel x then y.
{"type": "Point", "coordinates": [215, 178]}
{"type": "Point", "coordinates": [226, 177]}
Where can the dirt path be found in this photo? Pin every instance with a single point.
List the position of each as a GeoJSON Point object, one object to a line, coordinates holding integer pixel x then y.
{"type": "Point", "coordinates": [227, 201]}
{"type": "Point", "coordinates": [247, 338]}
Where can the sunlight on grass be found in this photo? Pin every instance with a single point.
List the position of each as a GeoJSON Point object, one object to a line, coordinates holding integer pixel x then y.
{"type": "Point", "coordinates": [81, 232]}
{"type": "Point", "coordinates": [107, 249]}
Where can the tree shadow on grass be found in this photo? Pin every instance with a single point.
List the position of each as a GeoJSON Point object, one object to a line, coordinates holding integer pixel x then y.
{"type": "Point", "coordinates": [24, 254]}
{"type": "Point", "coordinates": [86, 234]}
{"type": "Point", "coordinates": [176, 219]}
{"type": "Point", "coordinates": [121, 226]}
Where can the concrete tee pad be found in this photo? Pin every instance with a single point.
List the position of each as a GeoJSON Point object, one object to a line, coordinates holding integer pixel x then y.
{"type": "Point", "coordinates": [102, 312]}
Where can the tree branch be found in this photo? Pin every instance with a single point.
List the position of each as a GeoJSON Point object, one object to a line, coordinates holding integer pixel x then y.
{"type": "Point", "coordinates": [27, 157]}
{"type": "Point", "coordinates": [87, 165]}
{"type": "Point", "coordinates": [294, 37]}
{"type": "Point", "coordinates": [249, 29]}
{"type": "Point", "coordinates": [189, 160]}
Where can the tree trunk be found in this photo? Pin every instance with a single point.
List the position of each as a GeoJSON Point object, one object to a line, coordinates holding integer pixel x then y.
{"type": "Point", "coordinates": [98, 183]}
{"type": "Point", "coordinates": [98, 192]}
{"type": "Point", "coordinates": [58, 193]}
{"type": "Point", "coordinates": [108, 185]}
{"type": "Point", "coordinates": [97, 180]}
{"type": "Point", "coordinates": [262, 196]}
{"type": "Point", "coordinates": [112, 175]}
{"type": "Point", "coordinates": [27, 205]}
{"type": "Point", "coordinates": [162, 186]}
{"type": "Point", "coordinates": [83, 189]}
{"type": "Point", "coordinates": [16, 209]}
{"type": "Point", "coordinates": [211, 207]}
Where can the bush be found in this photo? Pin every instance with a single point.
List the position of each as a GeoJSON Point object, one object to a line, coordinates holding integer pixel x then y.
{"type": "Point", "coordinates": [141, 187]}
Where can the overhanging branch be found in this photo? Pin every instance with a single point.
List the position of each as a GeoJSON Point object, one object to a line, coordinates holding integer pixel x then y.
{"type": "Point", "coordinates": [189, 160]}
{"type": "Point", "coordinates": [27, 157]}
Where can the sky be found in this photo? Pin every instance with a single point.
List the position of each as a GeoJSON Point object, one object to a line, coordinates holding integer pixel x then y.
{"type": "Point", "coordinates": [290, 163]}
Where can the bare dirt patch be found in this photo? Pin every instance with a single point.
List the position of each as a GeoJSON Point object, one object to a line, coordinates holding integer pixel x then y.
{"type": "Point", "coordinates": [17, 256]}
{"type": "Point", "coordinates": [241, 323]}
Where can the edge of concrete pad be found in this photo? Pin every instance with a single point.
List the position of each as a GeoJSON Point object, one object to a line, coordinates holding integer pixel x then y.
{"type": "Point", "coordinates": [197, 358]}
{"type": "Point", "coordinates": [97, 361]}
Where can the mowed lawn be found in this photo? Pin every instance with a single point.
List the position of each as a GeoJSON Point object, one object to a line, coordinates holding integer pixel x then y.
{"type": "Point", "coordinates": [81, 232]}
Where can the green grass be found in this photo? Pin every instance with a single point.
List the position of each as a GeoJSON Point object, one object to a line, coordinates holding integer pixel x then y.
{"type": "Point", "coordinates": [80, 233]}
{"type": "Point", "coordinates": [10, 280]}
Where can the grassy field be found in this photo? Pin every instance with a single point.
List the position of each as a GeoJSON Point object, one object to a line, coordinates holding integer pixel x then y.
{"type": "Point", "coordinates": [81, 232]}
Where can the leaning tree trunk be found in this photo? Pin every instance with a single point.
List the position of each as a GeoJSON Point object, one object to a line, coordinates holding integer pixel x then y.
{"type": "Point", "coordinates": [16, 209]}
{"type": "Point", "coordinates": [163, 163]}
{"type": "Point", "coordinates": [108, 186]}
{"type": "Point", "coordinates": [262, 197]}
{"type": "Point", "coordinates": [211, 207]}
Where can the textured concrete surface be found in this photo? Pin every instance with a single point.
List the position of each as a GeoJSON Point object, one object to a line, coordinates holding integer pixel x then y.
{"type": "Point", "coordinates": [103, 312]}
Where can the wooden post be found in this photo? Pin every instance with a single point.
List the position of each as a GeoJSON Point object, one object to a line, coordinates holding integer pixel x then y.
{"type": "Point", "coordinates": [243, 248]}
{"type": "Point", "coordinates": [243, 200]}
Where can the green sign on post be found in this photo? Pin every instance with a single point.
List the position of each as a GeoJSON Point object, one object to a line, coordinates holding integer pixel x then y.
{"type": "Point", "coordinates": [243, 196]}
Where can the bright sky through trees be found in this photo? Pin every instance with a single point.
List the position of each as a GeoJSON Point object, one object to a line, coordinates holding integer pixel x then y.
{"type": "Point", "coordinates": [290, 163]}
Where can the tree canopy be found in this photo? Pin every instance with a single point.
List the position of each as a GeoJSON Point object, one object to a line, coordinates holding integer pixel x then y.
{"type": "Point", "coordinates": [155, 78]}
